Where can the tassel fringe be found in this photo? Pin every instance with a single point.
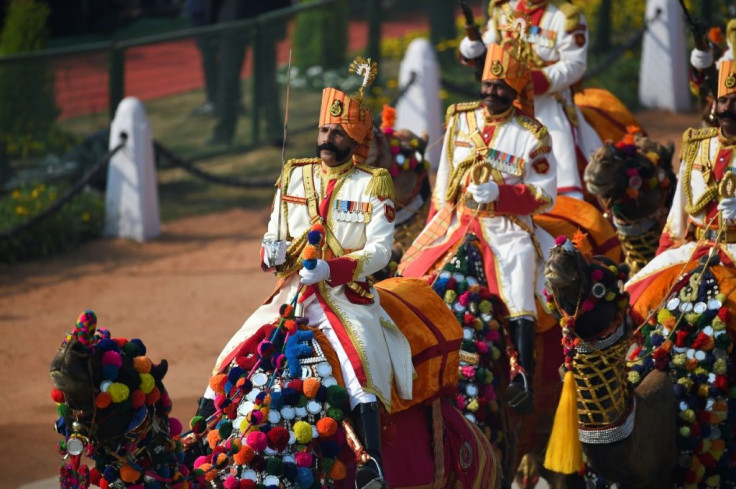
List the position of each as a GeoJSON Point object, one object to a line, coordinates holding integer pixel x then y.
{"type": "Point", "coordinates": [564, 451]}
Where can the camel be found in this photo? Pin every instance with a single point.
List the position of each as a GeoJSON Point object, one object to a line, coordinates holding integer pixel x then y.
{"type": "Point", "coordinates": [634, 182]}
{"type": "Point", "coordinates": [262, 431]}
{"type": "Point", "coordinates": [630, 435]}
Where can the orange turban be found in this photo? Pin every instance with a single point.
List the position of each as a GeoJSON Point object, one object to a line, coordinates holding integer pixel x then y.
{"type": "Point", "coordinates": [727, 78]}
{"type": "Point", "coordinates": [501, 65]}
{"type": "Point", "coordinates": [352, 115]}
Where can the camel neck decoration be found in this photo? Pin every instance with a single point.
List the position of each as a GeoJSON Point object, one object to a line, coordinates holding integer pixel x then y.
{"type": "Point", "coordinates": [689, 339]}
{"type": "Point", "coordinates": [126, 388]}
{"type": "Point", "coordinates": [598, 363]}
{"type": "Point", "coordinates": [633, 182]}
{"type": "Point", "coordinates": [459, 284]}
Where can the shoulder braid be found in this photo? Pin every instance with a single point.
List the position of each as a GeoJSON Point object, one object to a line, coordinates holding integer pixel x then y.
{"type": "Point", "coordinates": [289, 166]}
{"type": "Point", "coordinates": [381, 184]}
{"type": "Point", "coordinates": [532, 125]}
{"type": "Point", "coordinates": [572, 15]}
{"type": "Point", "coordinates": [461, 107]}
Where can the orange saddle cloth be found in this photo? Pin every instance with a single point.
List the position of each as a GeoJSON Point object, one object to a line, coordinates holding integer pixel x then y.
{"type": "Point", "coordinates": [432, 331]}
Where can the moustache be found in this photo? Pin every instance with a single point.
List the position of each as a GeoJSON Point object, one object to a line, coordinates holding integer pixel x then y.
{"type": "Point", "coordinates": [726, 115]}
{"type": "Point", "coordinates": [494, 97]}
{"type": "Point", "coordinates": [339, 155]}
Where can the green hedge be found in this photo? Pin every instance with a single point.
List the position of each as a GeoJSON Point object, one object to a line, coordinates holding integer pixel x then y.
{"type": "Point", "coordinates": [81, 219]}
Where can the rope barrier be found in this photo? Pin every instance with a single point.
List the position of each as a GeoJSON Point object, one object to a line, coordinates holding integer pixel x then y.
{"type": "Point", "coordinates": [76, 188]}
{"type": "Point", "coordinates": [169, 155]}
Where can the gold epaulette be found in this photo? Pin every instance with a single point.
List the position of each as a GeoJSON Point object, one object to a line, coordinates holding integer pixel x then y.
{"type": "Point", "coordinates": [461, 107]}
{"type": "Point", "coordinates": [290, 164]}
{"type": "Point", "coordinates": [572, 15]}
{"type": "Point", "coordinates": [381, 184]}
{"type": "Point", "coordinates": [532, 125]}
{"type": "Point", "coordinates": [698, 134]}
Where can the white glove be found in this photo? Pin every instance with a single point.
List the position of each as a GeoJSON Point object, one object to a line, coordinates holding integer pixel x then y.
{"type": "Point", "coordinates": [471, 49]}
{"type": "Point", "coordinates": [701, 59]}
{"type": "Point", "coordinates": [319, 273]}
{"type": "Point", "coordinates": [274, 248]}
{"type": "Point", "coordinates": [484, 193]}
{"type": "Point", "coordinates": [727, 207]}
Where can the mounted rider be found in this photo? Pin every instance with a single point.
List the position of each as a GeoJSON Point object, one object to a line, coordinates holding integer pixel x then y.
{"type": "Point", "coordinates": [558, 35]}
{"type": "Point", "coordinates": [704, 207]}
{"type": "Point", "coordinates": [353, 204]}
{"type": "Point", "coordinates": [496, 170]}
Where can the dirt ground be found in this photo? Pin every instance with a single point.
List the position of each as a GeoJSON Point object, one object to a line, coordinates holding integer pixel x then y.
{"type": "Point", "coordinates": [183, 294]}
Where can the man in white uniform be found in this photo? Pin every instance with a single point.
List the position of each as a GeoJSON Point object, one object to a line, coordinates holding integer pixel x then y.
{"type": "Point", "coordinates": [703, 212]}
{"type": "Point", "coordinates": [559, 40]}
{"type": "Point", "coordinates": [353, 203]}
{"type": "Point", "coordinates": [494, 137]}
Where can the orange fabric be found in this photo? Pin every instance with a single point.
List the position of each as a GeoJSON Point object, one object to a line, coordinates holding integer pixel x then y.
{"type": "Point", "coordinates": [501, 65]}
{"type": "Point", "coordinates": [646, 295]}
{"type": "Point", "coordinates": [338, 108]}
{"type": "Point", "coordinates": [605, 113]}
{"type": "Point", "coordinates": [433, 333]}
{"type": "Point", "coordinates": [568, 215]}
{"type": "Point", "coordinates": [727, 78]}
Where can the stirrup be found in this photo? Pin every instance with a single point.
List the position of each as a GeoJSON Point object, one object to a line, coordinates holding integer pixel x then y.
{"type": "Point", "coordinates": [377, 482]}
{"type": "Point", "coordinates": [519, 394]}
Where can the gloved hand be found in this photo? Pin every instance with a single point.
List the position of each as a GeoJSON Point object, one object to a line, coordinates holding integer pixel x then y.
{"type": "Point", "coordinates": [471, 49]}
{"type": "Point", "coordinates": [484, 193]}
{"type": "Point", "coordinates": [727, 206]}
{"type": "Point", "coordinates": [319, 273]}
{"type": "Point", "coordinates": [701, 59]}
{"type": "Point", "coordinates": [274, 248]}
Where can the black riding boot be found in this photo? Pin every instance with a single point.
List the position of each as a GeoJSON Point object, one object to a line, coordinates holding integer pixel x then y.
{"type": "Point", "coordinates": [520, 395]}
{"type": "Point", "coordinates": [367, 421]}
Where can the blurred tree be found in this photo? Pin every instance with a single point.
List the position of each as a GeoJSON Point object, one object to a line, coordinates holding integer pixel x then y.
{"type": "Point", "coordinates": [28, 111]}
{"type": "Point", "coordinates": [603, 28]}
{"type": "Point", "coordinates": [321, 37]}
{"type": "Point", "coordinates": [442, 26]}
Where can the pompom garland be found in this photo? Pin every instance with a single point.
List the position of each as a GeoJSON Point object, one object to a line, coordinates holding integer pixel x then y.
{"type": "Point", "coordinates": [695, 348]}
{"type": "Point", "coordinates": [128, 384]}
{"type": "Point", "coordinates": [462, 285]}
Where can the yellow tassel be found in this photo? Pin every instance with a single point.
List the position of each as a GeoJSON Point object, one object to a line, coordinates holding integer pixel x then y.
{"type": "Point", "coordinates": [564, 452]}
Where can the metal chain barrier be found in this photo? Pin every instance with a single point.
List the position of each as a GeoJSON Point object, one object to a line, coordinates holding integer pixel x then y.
{"type": "Point", "coordinates": [76, 188]}
{"type": "Point", "coordinates": [177, 161]}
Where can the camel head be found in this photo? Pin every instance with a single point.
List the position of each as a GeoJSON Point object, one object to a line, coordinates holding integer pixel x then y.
{"type": "Point", "coordinates": [633, 177]}
{"type": "Point", "coordinates": [588, 289]}
{"type": "Point", "coordinates": [104, 386]}
{"type": "Point", "coordinates": [401, 152]}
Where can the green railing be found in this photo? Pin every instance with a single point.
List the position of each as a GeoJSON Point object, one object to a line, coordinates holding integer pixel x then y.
{"type": "Point", "coordinates": [88, 82]}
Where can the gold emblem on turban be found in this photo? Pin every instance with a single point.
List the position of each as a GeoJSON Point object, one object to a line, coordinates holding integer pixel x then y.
{"type": "Point", "coordinates": [336, 108]}
{"type": "Point", "coordinates": [496, 68]}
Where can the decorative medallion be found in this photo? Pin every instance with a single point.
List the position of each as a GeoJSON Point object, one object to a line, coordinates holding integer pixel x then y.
{"type": "Point", "coordinates": [497, 68]}
{"type": "Point", "coordinates": [465, 457]}
{"type": "Point", "coordinates": [730, 81]}
{"type": "Point", "coordinates": [541, 166]}
{"type": "Point", "coordinates": [336, 108]}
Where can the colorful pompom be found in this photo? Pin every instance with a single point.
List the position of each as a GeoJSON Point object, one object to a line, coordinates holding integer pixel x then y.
{"type": "Point", "coordinates": [303, 432]}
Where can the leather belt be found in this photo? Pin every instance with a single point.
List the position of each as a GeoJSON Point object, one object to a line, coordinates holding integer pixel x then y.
{"type": "Point", "coordinates": [470, 206]}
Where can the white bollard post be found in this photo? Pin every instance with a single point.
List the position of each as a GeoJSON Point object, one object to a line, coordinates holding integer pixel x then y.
{"type": "Point", "coordinates": [420, 109]}
{"type": "Point", "coordinates": [131, 201]}
{"type": "Point", "coordinates": [663, 77]}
